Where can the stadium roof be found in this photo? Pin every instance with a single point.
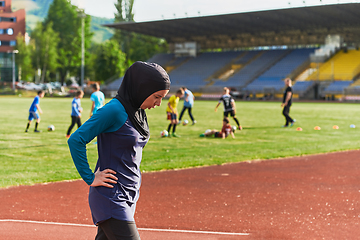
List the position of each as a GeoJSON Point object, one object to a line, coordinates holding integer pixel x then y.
{"type": "Point", "coordinates": [292, 26]}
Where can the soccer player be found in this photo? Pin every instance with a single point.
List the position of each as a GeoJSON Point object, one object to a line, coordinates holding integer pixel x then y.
{"type": "Point", "coordinates": [75, 111]}
{"type": "Point", "coordinates": [229, 106]}
{"type": "Point", "coordinates": [123, 131]}
{"type": "Point", "coordinates": [171, 111]}
{"type": "Point", "coordinates": [34, 111]}
{"type": "Point", "coordinates": [286, 103]}
{"type": "Point", "coordinates": [97, 98]}
{"type": "Point", "coordinates": [226, 130]}
{"type": "Point", "coordinates": [188, 104]}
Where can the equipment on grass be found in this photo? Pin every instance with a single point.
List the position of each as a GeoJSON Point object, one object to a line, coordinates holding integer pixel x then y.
{"type": "Point", "coordinates": [335, 127]}
{"type": "Point", "coordinates": [207, 131]}
{"type": "Point", "coordinates": [352, 126]}
{"type": "Point", "coordinates": [164, 133]}
{"type": "Point", "coordinates": [233, 128]}
{"type": "Point", "coordinates": [299, 129]}
{"type": "Point", "coordinates": [51, 128]}
{"type": "Point", "coordinates": [317, 128]}
{"type": "Point", "coordinates": [185, 122]}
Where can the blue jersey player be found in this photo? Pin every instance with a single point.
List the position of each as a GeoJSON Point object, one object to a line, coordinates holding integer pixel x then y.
{"type": "Point", "coordinates": [34, 111]}
{"type": "Point", "coordinates": [97, 98]}
{"type": "Point", "coordinates": [122, 131]}
{"type": "Point", "coordinates": [76, 110]}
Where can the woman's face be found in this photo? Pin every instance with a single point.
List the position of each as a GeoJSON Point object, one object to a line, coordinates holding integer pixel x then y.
{"type": "Point", "coordinates": [154, 99]}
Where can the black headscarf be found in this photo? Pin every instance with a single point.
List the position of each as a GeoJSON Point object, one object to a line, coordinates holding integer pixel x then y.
{"type": "Point", "coordinates": [140, 81]}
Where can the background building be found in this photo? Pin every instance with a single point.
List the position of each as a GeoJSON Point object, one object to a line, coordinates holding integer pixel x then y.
{"type": "Point", "coordinates": [11, 24]}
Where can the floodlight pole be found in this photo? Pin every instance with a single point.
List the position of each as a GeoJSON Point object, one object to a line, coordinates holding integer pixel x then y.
{"type": "Point", "coordinates": [82, 52]}
{"type": "Point", "coordinates": [13, 67]}
{"type": "Point", "coordinates": [82, 16]}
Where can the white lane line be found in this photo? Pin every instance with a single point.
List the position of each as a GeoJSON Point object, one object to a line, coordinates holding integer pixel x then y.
{"type": "Point", "coordinates": [50, 223]}
{"type": "Point", "coordinates": [141, 229]}
{"type": "Point", "coordinates": [189, 231]}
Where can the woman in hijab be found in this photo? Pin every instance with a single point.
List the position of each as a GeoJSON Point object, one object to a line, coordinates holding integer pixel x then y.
{"type": "Point", "coordinates": [122, 131]}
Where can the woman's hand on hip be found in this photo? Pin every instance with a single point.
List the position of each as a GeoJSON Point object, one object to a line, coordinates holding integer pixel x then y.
{"type": "Point", "coordinates": [103, 178]}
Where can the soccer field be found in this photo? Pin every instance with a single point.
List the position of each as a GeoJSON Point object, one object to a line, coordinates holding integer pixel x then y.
{"type": "Point", "coordinates": [29, 158]}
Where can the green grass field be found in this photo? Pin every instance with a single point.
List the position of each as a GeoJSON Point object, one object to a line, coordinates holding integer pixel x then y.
{"type": "Point", "coordinates": [29, 158]}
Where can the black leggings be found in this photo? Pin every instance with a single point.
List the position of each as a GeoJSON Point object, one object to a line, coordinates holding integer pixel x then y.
{"type": "Point", "coordinates": [74, 120]}
{"type": "Point", "coordinates": [113, 229]}
{"type": "Point", "coordinates": [286, 112]}
{"type": "Point", "coordinates": [189, 111]}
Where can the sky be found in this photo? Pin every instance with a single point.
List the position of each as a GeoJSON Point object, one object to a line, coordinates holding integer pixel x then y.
{"type": "Point", "coordinates": [150, 10]}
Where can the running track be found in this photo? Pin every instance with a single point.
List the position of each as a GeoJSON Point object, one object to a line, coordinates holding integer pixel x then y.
{"type": "Point", "coordinates": [311, 197]}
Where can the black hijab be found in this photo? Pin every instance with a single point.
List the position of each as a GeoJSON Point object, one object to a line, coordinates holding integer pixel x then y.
{"type": "Point", "coordinates": [140, 81]}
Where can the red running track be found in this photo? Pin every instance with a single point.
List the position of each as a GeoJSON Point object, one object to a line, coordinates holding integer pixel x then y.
{"type": "Point", "coordinates": [311, 197]}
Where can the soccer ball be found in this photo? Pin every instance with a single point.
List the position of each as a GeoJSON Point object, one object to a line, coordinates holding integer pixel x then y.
{"type": "Point", "coordinates": [164, 133]}
{"type": "Point", "coordinates": [233, 128]}
{"type": "Point", "coordinates": [51, 128]}
{"type": "Point", "coordinates": [185, 122]}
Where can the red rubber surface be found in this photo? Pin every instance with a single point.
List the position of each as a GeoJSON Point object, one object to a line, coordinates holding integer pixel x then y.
{"type": "Point", "coordinates": [312, 197]}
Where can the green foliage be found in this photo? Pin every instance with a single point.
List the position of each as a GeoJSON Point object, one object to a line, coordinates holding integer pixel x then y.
{"type": "Point", "coordinates": [67, 22]}
{"type": "Point", "coordinates": [109, 60]}
{"type": "Point", "coordinates": [137, 47]}
{"type": "Point", "coordinates": [143, 47]}
{"type": "Point", "coordinates": [23, 59]}
{"type": "Point", "coordinates": [44, 44]}
{"type": "Point", "coordinates": [36, 11]}
{"type": "Point", "coordinates": [29, 158]}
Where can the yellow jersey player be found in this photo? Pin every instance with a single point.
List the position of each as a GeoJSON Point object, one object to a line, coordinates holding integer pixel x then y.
{"type": "Point", "coordinates": [171, 111]}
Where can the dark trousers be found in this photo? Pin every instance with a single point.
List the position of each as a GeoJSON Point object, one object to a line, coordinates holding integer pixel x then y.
{"type": "Point", "coordinates": [189, 111]}
{"type": "Point", "coordinates": [74, 120]}
{"type": "Point", "coordinates": [286, 112]}
{"type": "Point", "coordinates": [113, 229]}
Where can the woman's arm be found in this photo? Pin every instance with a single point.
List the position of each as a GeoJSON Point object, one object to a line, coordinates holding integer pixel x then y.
{"type": "Point", "coordinates": [106, 119]}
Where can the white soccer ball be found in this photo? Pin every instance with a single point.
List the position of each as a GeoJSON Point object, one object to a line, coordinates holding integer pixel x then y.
{"type": "Point", "coordinates": [185, 122]}
{"type": "Point", "coordinates": [51, 128]}
{"type": "Point", "coordinates": [233, 128]}
{"type": "Point", "coordinates": [164, 133]}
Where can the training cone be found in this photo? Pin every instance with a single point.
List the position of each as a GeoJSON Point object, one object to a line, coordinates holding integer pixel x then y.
{"type": "Point", "coordinates": [299, 129]}
{"type": "Point", "coordinates": [335, 127]}
{"type": "Point", "coordinates": [317, 128]}
{"type": "Point", "coordinates": [352, 126]}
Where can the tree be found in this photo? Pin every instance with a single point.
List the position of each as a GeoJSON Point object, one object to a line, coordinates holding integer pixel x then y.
{"type": "Point", "coordinates": [23, 59]}
{"type": "Point", "coordinates": [143, 47]}
{"type": "Point", "coordinates": [135, 46]}
{"type": "Point", "coordinates": [45, 42]}
{"type": "Point", "coordinates": [110, 60]}
{"type": "Point", "coordinates": [66, 20]}
{"type": "Point", "coordinates": [124, 14]}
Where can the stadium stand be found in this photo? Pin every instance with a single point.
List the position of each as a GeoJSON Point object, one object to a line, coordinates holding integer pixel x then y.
{"type": "Point", "coordinates": [255, 68]}
{"type": "Point", "coordinates": [344, 65]}
{"type": "Point", "coordinates": [303, 86]}
{"type": "Point", "coordinates": [337, 87]}
{"type": "Point", "coordinates": [195, 71]}
{"type": "Point", "coordinates": [273, 77]}
{"type": "Point", "coordinates": [262, 69]}
{"type": "Point", "coordinates": [162, 59]}
{"type": "Point", "coordinates": [112, 88]}
{"type": "Point", "coordinates": [205, 69]}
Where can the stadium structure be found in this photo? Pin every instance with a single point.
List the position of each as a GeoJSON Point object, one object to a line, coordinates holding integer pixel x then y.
{"type": "Point", "coordinates": [253, 52]}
